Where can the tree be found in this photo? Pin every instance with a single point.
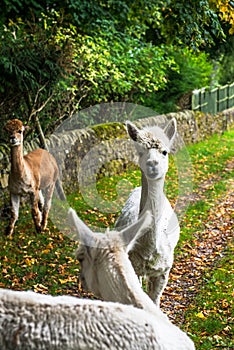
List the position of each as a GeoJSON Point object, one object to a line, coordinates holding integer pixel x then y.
{"type": "Point", "coordinates": [189, 23]}
{"type": "Point", "coordinates": [58, 56]}
{"type": "Point", "coordinates": [225, 9]}
{"type": "Point", "coordinates": [33, 61]}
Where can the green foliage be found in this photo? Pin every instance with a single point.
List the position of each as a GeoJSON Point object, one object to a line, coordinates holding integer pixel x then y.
{"type": "Point", "coordinates": [57, 57]}
{"type": "Point", "coordinates": [25, 55]}
{"type": "Point", "coordinates": [116, 67]}
{"type": "Point", "coordinates": [193, 71]}
{"type": "Point", "coordinates": [33, 61]}
{"type": "Point", "coordinates": [226, 73]}
{"type": "Point", "coordinates": [195, 23]}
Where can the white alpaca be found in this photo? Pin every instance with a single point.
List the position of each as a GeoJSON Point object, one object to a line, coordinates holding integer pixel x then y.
{"type": "Point", "coordinates": [152, 257]}
{"type": "Point", "coordinates": [32, 321]}
{"type": "Point", "coordinates": [107, 272]}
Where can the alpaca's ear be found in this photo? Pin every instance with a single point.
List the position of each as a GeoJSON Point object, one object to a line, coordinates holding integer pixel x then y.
{"type": "Point", "coordinates": [170, 130]}
{"type": "Point", "coordinates": [132, 130]}
{"type": "Point", "coordinates": [131, 234]}
{"type": "Point", "coordinates": [85, 235]}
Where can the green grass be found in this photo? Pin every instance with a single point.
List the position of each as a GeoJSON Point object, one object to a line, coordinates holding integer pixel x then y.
{"type": "Point", "coordinates": [100, 205]}
{"type": "Point", "coordinates": [210, 317]}
{"type": "Point", "coordinates": [41, 262]}
{"type": "Point", "coordinates": [45, 262]}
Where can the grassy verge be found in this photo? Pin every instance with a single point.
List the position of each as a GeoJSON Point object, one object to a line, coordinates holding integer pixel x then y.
{"type": "Point", "coordinates": [210, 317]}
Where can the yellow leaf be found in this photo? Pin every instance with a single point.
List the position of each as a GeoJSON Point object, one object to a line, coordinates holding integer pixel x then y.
{"type": "Point", "coordinates": [40, 288]}
{"type": "Point", "coordinates": [201, 315]}
{"type": "Point", "coordinates": [45, 251]}
{"type": "Point", "coordinates": [62, 281]}
{"type": "Point", "coordinates": [69, 279]}
{"type": "Point", "coordinates": [29, 261]}
{"type": "Point", "coordinates": [49, 246]}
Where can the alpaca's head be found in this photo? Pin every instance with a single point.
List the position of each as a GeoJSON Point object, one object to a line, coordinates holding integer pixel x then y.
{"type": "Point", "coordinates": [103, 258]}
{"type": "Point", "coordinates": [15, 129]}
{"type": "Point", "coordinates": [153, 145]}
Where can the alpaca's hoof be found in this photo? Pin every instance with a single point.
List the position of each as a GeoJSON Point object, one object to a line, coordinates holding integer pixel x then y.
{"type": "Point", "coordinates": [43, 226]}
{"type": "Point", "coordinates": [38, 229]}
{"type": "Point", "coordinates": [8, 231]}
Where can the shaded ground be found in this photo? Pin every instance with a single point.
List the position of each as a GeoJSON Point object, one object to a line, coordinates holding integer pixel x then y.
{"type": "Point", "coordinates": [209, 245]}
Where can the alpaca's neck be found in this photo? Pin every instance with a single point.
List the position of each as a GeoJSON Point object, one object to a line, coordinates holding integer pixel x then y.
{"type": "Point", "coordinates": [152, 196]}
{"type": "Point", "coordinates": [17, 161]}
{"type": "Point", "coordinates": [126, 287]}
{"type": "Point", "coordinates": [152, 199]}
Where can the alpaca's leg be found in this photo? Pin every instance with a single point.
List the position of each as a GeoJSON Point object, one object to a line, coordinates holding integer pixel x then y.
{"type": "Point", "coordinates": [41, 201]}
{"type": "Point", "coordinates": [156, 286]}
{"type": "Point", "coordinates": [15, 202]}
{"type": "Point", "coordinates": [34, 198]}
{"type": "Point", "coordinates": [48, 198]}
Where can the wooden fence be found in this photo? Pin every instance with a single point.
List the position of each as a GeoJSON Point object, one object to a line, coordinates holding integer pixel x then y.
{"type": "Point", "coordinates": [215, 100]}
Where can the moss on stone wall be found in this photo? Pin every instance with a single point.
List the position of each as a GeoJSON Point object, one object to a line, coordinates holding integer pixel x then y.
{"type": "Point", "coordinates": [109, 131]}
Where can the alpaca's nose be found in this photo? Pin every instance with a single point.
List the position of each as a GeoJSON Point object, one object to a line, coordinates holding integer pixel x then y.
{"type": "Point", "coordinates": [152, 162]}
{"type": "Point", "coordinates": [13, 139]}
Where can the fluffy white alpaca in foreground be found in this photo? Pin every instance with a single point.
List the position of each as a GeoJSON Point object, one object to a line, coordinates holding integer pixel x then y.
{"type": "Point", "coordinates": [107, 272]}
{"type": "Point", "coordinates": [32, 321]}
{"type": "Point", "coordinates": [153, 256]}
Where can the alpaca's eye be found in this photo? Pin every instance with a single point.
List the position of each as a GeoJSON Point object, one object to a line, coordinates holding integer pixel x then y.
{"type": "Point", "coordinates": [20, 131]}
{"type": "Point", "coordinates": [140, 151]}
{"type": "Point", "coordinates": [164, 152]}
{"type": "Point", "coordinates": [81, 259]}
{"type": "Point", "coordinates": [141, 154]}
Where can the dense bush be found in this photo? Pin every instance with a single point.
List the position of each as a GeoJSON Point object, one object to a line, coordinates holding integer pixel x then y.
{"type": "Point", "coordinates": [193, 71]}
{"type": "Point", "coordinates": [53, 71]}
{"type": "Point", "coordinates": [117, 67]}
{"type": "Point", "coordinates": [34, 61]}
{"type": "Point", "coordinates": [226, 73]}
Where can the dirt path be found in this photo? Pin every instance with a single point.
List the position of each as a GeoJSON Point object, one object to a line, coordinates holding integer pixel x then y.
{"type": "Point", "coordinates": [209, 245]}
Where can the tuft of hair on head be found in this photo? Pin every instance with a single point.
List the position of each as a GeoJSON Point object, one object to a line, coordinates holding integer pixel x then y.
{"type": "Point", "coordinates": [12, 125]}
{"type": "Point", "coordinates": [146, 136]}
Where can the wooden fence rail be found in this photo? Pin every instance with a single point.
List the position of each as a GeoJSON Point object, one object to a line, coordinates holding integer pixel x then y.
{"type": "Point", "coordinates": [215, 100]}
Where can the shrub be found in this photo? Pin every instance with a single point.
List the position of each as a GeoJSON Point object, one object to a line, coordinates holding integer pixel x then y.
{"type": "Point", "coordinates": [194, 70]}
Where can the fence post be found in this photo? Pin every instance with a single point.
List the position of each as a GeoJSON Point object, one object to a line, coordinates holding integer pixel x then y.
{"type": "Point", "coordinates": [215, 100]}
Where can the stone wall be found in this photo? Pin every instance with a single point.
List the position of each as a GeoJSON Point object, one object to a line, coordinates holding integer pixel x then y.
{"type": "Point", "coordinates": [104, 149]}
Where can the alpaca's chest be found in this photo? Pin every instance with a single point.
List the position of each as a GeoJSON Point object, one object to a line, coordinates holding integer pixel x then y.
{"type": "Point", "coordinates": [21, 185]}
{"type": "Point", "coordinates": [156, 248]}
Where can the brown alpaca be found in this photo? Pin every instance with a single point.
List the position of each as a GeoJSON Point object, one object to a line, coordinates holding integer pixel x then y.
{"type": "Point", "coordinates": [30, 174]}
